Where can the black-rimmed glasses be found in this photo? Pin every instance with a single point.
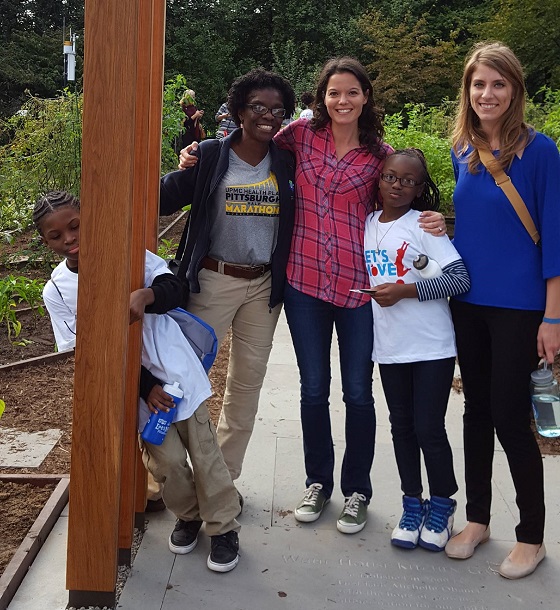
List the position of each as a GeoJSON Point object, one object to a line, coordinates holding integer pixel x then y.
{"type": "Point", "coordinates": [408, 182]}
{"type": "Point", "coordinates": [262, 110]}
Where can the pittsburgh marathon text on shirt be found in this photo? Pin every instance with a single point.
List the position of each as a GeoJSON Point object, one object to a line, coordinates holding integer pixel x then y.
{"type": "Point", "coordinates": [260, 199]}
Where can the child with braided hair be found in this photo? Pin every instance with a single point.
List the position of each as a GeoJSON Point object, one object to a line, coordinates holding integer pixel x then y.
{"type": "Point", "coordinates": [414, 343]}
{"type": "Point", "coordinates": [196, 490]}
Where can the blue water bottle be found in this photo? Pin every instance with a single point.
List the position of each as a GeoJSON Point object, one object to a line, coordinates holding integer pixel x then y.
{"type": "Point", "coordinates": [157, 426]}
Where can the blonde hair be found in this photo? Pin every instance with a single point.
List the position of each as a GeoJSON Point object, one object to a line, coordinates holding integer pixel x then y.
{"type": "Point", "coordinates": [515, 134]}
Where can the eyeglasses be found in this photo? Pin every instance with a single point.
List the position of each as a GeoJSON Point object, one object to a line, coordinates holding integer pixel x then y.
{"type": "Point", "coordinates": [408, 182]}
{"type": "Point", "coordinates": [262, 110]}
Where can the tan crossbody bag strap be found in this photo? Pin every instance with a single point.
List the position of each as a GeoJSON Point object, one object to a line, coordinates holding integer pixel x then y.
{"type": "Point", "coordinates": [505, 183]}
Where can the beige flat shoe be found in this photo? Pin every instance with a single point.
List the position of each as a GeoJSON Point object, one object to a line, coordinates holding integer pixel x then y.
{"type": "Point", "coordinates": [513, 571]}
{"type": "Point", "coordinates": [464, 550]}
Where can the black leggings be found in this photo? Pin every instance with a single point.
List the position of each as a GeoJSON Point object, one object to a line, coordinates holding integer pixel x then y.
{"type": "Point", "coordinates": [497, 350]}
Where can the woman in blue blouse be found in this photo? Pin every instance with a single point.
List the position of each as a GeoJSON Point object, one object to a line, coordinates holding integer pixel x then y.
{"type": "Point", "coordinates": [511, 315]}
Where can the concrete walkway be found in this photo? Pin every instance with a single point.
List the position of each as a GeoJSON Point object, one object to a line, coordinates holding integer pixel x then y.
{"type": "Point", "coordinates": [286, 565]}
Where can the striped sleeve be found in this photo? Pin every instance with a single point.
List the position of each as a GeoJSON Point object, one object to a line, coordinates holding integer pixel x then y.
{"type": "Point", "coordinates": [454, 280]}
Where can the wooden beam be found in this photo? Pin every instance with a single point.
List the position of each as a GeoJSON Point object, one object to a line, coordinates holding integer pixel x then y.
{"type": "Point", "coordinates": [110, 261]}
{"type": "Point", "coordinates": [151, 26]}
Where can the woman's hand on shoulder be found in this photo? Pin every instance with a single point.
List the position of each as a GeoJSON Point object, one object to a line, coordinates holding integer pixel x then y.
{"type": "Point", "coordinates": [187, 158]}
{"type": "Point", "coordinates": [432, 222]}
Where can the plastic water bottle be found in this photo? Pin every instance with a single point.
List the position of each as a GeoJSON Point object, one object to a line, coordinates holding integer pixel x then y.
{"type": "Point", "coordinates": [426, 267]}
{"type": "Point", "coordinates": [546, 402]}
{"type": "Point", "coordinates": [157, 426]}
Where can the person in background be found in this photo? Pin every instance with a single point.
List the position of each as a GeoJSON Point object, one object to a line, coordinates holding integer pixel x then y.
{"type": "Point", "coordinates": [414, 343]}
{"type": "Point", "coordinates": [226, 123]}
{"type": "Point", "coordinates": [306, 99]}
{"type": "Point", "coordinates": [510, 317]}
{"type": "Point", "coordinates": [192, 125]}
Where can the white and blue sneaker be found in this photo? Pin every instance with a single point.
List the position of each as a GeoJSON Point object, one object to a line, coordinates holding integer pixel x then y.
{"type": "Point", "coordinates": [439, 523]}
{"type": "Point", "coordinates": [407, 532]}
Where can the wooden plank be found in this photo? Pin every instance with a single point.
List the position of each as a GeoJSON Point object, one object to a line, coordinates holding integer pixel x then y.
{"type": "Point", "coordinates": [149, 87]}
{"type": "Point", "coordinates": [128, 470]}
{"type": "Point", "coordinates": [109, 124]}
{"type": "Point", "coordinates": [37, 361]}
{"type": "Point", "coordinates": [29, 548]}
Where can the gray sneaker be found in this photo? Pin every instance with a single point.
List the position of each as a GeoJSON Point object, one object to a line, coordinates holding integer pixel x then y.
{"type": "Point", "coordinates": [354, 514]}
{"type": "Point", "coordinates": [312, 504]}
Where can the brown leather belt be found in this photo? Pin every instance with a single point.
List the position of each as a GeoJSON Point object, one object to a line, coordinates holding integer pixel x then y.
{"type": "Point", "coordinates": [247, 273]}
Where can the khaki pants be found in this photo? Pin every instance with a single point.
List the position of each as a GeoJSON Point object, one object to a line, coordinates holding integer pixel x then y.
{"type": "Point", "coordinates": [154, 488]}
{"type": "Point", "coordinates": [226, 301]}
{"type": "Point", "coordinates": [203, 493]}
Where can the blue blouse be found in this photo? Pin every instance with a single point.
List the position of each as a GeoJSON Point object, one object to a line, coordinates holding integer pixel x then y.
{"type": "Point", "coordinates": [505, 267]}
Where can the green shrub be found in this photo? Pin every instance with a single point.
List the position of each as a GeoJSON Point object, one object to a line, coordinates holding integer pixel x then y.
{"type": "Point", "coordinates": [172, 123]}
{"type": "Point", "coordinates": [44, 153]}
{"type": "Point", "coordinates": [545, 116]}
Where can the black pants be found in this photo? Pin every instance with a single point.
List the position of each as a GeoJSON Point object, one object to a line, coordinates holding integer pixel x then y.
{"type": "Point", "coordinates": [417, 394]}
{"type": "Point", "coordinates": [497, 350]}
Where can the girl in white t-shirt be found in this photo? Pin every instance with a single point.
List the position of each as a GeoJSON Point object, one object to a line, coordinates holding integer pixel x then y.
{"type": "Point", "coordinates": [414, 343]}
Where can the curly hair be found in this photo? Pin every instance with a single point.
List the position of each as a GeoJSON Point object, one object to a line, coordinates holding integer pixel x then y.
{"type": "Point", "coordinates": [429, 197]}
{"type": "Point", "coordinates": [514, 132]}
{"type": "Point", "coordinates": [370, 124]}
{"type": "Point", "coordinates": [255, 80]}
{"type": "Point", "coordinates": [51, 202]}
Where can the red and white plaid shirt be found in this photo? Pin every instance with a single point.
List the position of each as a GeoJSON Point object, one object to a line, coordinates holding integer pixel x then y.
{"type": "Point", "coordinates": [333, 199]}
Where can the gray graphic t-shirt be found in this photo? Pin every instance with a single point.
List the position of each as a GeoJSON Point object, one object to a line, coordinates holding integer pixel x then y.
{"type": "Point", "coordinates": [245, 212]}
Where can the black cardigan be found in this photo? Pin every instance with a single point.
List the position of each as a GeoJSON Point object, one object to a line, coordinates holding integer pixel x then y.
{"type": "Point", "coordinates": [197, 185]}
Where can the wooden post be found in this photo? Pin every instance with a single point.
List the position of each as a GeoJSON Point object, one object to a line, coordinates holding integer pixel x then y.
{"type": "Point", "coordinates": [147, 162]}
{"type": "Point", "coordinates": [111, 262]}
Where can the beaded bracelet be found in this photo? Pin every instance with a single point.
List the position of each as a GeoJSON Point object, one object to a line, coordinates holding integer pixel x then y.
{"type": "Point", "coordinates": [551, 320]}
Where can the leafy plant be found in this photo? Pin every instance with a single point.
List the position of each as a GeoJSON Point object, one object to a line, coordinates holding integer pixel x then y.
{"type": "Point", "coordinates": [14, 291]}
{"type": "Point", "coordinates": [167, 248]}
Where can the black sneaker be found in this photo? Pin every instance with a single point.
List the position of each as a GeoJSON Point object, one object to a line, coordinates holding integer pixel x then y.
{"type": "Point", "coordinates": [224, 552]}
{"type": "Point", "coordinates": [184, 537]}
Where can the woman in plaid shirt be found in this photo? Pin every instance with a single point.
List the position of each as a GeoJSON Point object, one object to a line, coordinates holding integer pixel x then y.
{"type": "Point", "coordinates": [339, 155]}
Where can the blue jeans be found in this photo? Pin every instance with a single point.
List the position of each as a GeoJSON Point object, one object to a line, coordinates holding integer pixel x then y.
{"type": "Point", "coordinates": [311, 323]}
{"type": "Point", "coordinates": [417, 394]}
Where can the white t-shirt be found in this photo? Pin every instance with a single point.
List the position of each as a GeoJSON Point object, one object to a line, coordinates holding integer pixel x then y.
{"type": "Point", "coordinates": [166, 353]}
{"type": "Point", "coordinates": [60, 296]}
{"type": "Point", "coordinates": [409, 331]}
{"type": "Point", "coordinates": [306, 113]}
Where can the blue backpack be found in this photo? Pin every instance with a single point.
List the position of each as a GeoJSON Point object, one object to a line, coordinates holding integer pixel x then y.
{"type": "Point", "coordinates": [199, 334]}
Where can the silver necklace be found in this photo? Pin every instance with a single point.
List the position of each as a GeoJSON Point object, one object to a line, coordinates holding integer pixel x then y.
{"type": "Point", "coordinates": [377, 240]}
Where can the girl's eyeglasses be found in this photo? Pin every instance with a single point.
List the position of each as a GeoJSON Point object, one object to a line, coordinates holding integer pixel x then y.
{"type": "Point", "coordinates": [408, 182]}
{"type": "Point", "coordinates": [262, 110]}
